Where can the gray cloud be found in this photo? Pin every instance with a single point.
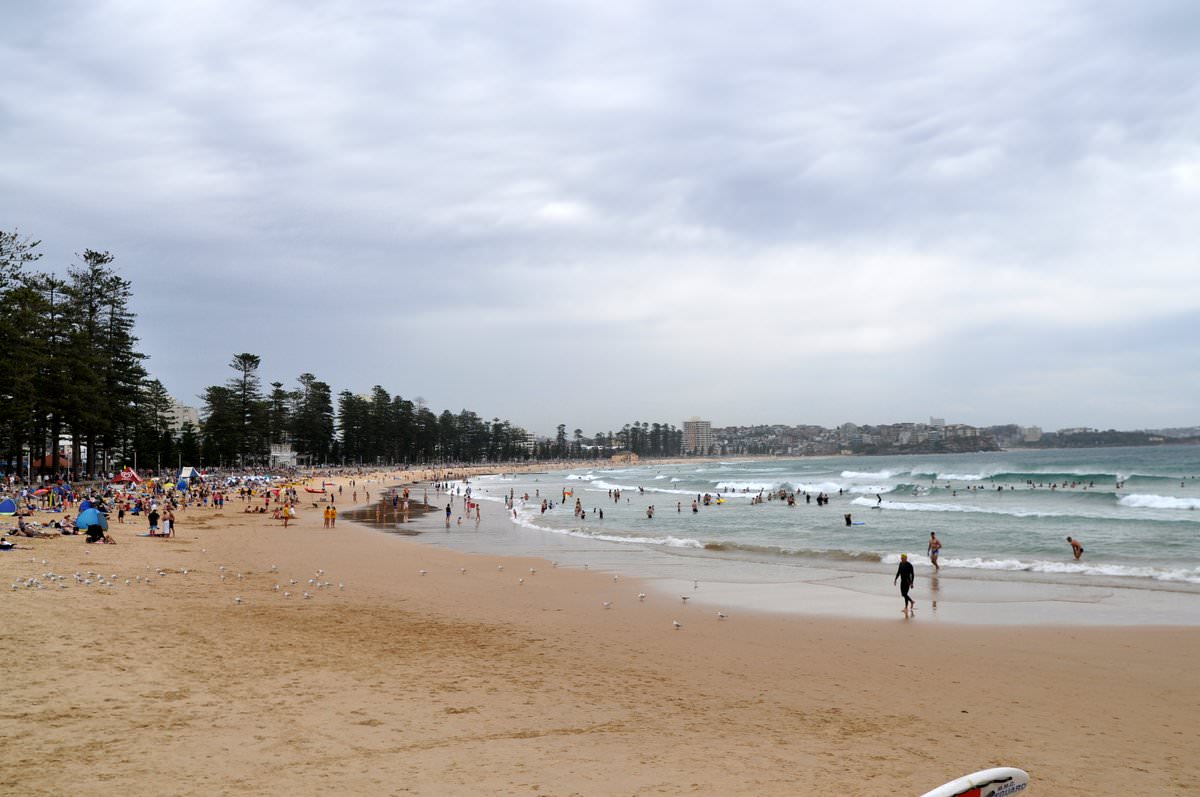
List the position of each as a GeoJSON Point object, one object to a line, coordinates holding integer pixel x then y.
{"type": "Point", "coordinates": [591, 213]}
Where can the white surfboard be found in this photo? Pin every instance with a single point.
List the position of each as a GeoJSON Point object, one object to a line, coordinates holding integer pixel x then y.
{"type": "Point", "coordinates": [997, 782]}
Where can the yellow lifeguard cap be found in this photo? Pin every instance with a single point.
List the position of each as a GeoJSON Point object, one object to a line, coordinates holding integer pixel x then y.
{"type": "Point", "coordinates": [903, 556]}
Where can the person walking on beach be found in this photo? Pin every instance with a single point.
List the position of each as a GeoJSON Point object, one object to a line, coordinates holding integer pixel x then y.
{"type": "Point", "coordinates": [1076, 547]}
{"type": "Point", "coordinates": [935, 547]}
{"type": "Point", "coordinates": [906, 576]}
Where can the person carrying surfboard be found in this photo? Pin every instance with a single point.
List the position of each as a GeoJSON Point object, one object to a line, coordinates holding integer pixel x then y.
{"type": "Point", "coordinates": [906, 576]}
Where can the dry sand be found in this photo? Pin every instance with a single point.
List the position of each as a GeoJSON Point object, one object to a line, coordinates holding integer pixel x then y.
{"type": "Point", "coordinates": [475, 683]}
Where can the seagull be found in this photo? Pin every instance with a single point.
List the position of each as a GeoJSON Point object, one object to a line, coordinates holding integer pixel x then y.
{"type": "Point", "coordinates": [721, 615]}
{"type": "Point", "coordinates": [683, 598]}
{"type": "Point", "coordinates": [341, 585]}
{"type": "Point", "coordinates": [520, 581]}
{"type": "Point", "coordinates": [307, 595]}
{"type": "Point", "coordinates": [292, 581]}
{"type": "Point", "coordinates": [274, 568]}
{"type": "Point", "coordinates": [616, 578]}
{"type": "Point", "coordinates": [532, 571]}
{"type": "Point", "coordinates": [678, 625]}
{"type": "Point", "coordinates": [423, 572]}
{"type": "Point", "coordinates": [695, 585]}
{"type": "Point", "coordinates": [127, 582]}
{"type": "Point", "coordinates": [462, 571]}
{"type": "Point", "coordinates": [554, 564]}
{"type": "Point", "coordinates": [585, 567]}
{"type": "Point", "coordinates": [276, 588]}
{"type": "Point", "coordinates": [499, 567]}
{"type": "Point", "coordinates": [237, 600]}
{"type": "Point", "coordinates": [607, 604]}
{"type": "Point", "coordinates": [287, 594]}
{"type": "Point", "coordinates": [641, 596]}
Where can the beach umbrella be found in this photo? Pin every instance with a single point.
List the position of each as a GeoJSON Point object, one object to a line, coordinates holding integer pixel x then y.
{"type": "Point", "coordinates": [91, 517]}
{"type": "Point", "coordinates": [41, 491]}
{"type": "Point", "coordinates": [85, 505]}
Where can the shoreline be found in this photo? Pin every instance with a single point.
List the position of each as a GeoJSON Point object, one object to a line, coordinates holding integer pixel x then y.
{"type": "Point", "coordinates": [474, 683]}
{"type": "Point", "coordinates": [827, 588]}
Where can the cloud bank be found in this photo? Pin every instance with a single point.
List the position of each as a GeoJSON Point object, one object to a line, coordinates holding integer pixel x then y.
{"type": "Point", "coordinates": [593, 213]}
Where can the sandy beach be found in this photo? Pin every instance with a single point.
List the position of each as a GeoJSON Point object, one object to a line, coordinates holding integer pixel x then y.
{"type": "Point", "coordinates": [482, 677]}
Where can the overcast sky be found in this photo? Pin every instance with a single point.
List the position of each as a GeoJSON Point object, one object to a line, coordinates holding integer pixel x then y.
{"type": "Point", "coordinates": [600, 212]}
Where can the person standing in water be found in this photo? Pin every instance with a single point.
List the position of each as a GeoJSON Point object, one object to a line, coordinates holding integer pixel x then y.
{"type": "Point", "coordinates": [906, 576]}
{"type": "Point", "coordinates": [935, 547]}
{"type": "Point", "coordinates": [1076, 547]}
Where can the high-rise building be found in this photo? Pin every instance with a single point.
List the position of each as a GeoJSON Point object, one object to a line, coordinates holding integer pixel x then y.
{"type": "Point", "coordinates": [697, 436]}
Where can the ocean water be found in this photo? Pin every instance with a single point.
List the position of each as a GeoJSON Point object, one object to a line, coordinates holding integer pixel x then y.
{"type": "Point", "coordinates": [999, 515]}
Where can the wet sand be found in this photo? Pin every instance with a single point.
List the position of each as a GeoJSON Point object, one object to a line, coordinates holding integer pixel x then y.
{"type": "Point", "coordinates": [506, 681]}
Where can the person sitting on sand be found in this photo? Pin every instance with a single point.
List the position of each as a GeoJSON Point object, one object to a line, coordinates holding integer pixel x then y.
{"type": "Point", "coordinates": [5, 545]}
{"type": "Point", "coordinates": [96, 534]}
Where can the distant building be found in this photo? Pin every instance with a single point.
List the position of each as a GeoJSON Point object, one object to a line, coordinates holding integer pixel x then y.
{"type": "Point", "coordinates": [283, 455]}
{"type": "Point", "coordinates": [1031, 434]}
{"type": "Point", "coordinates": [697, 436]}
{"type": "Point", "coordinates": [937, 423]}
{"type": "Point", "coordinates": [182, 414]}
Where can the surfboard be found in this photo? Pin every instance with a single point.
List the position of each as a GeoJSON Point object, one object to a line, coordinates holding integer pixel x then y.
{"type": "Point", "coordinates": [996, 782]}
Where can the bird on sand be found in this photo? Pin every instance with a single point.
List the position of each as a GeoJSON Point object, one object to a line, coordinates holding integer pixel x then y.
{"type": "Point", "coordinates": [678, 625]}
{"type": "Point", "coordinates": [721, 615]}
{"type": "Point", "coordinates": [683, 598]}
{"type": "Point", "coordinates": [607, 604]}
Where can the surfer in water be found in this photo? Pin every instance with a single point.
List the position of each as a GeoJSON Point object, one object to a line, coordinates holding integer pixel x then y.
{"type": "Point", "coordinates": [1076, 547]}
{"type": "Point", "coordinates": [935, 547]}
{"type": "Point", "coordinates": [906, 576]}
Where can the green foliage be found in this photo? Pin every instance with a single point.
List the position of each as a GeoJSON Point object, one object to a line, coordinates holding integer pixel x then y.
{"type": "Point", "coordinates": [72, 370]}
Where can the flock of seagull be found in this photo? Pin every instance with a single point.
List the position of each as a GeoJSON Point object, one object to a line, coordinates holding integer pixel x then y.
{"type": "Point", "coordinates": [93, 578]}
{"type": "Point", "coordinates": [641, 596]}
{"type": "Point", "coordinates": [317, 582]}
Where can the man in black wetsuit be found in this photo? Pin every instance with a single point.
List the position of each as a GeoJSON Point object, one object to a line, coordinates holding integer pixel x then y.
{"type": "Point", "coordinates": [906, 576]}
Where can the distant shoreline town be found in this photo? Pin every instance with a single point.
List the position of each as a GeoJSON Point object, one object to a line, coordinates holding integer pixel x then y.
{"type": "Point", "coordinates": [934, 437]}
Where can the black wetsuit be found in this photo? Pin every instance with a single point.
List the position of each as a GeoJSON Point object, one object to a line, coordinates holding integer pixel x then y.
{"type": "Point", "coordinates": [906, 576]}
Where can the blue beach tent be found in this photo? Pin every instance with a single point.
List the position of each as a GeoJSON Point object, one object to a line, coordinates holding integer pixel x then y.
{"type": "Point", "coordinates": [8, 507]}
{"type": "Point", "coordinates": [91, 517]}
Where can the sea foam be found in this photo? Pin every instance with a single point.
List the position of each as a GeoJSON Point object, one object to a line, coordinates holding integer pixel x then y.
{"type": "Point", "coordinates": [1139, 501]}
